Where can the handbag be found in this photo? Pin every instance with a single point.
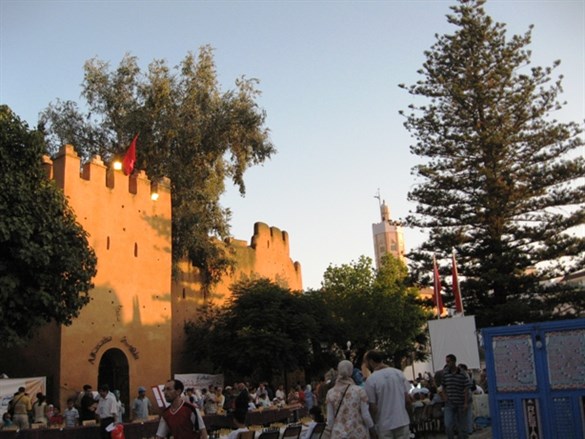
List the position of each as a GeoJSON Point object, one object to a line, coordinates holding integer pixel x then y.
{"type": "Point", "coordinates": [327, 432]}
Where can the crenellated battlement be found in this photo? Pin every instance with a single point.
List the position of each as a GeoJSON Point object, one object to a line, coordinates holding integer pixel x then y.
{"type": "Point", "coordinates": [66, 169]}
{"type": "Point", "coordinates": [266, 237]}
{"type": "Point", "coordinates": [137, 313]}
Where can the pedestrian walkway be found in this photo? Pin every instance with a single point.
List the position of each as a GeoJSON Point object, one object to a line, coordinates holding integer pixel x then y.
{"type": "Point", "coordinates": [484, 433]}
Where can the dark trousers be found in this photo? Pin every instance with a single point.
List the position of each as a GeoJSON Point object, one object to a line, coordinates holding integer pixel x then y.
{"type": "Point", "coordinates": [103, 424]}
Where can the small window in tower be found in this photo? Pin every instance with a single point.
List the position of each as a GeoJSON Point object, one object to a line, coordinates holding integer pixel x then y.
{"type": "Point", "coordinates": [108, 243]}
{"type": "Point", "coordinates": [135, 249]}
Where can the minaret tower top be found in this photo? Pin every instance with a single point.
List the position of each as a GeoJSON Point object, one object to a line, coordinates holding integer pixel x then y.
{"type": "Point", "coordinates": [387, 234]}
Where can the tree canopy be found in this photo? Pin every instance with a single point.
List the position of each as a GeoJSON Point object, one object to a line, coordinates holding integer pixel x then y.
{"type": "Point", "coordinates": [375, 309]}
{"type": "Point", "coordinates": [189, 130]}
{"type": "Point", "coordinates": [500, 180]}
{"type": "Point", "coordinates": [372, 309]}
{"type": "Point", "coordinates": [46, 263]}
{"type": "Point", "coordinates": [264, 331]}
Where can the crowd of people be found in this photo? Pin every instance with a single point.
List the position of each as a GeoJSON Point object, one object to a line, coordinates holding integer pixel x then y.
{"type": "Point", "coordinates": [368, 402]}
{"type": "Point", "coordinates": [377, 401]}
{"type": "Point", "coordinates": [103, 406]}
{"type": "Point", "coordinates": [23, 411]}
{"type": "Point", "coordinates": [215, 400]}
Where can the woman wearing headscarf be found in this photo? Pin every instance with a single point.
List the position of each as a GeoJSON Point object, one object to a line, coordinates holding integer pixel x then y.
{"type": "Point", "coordinates": [348, 413]}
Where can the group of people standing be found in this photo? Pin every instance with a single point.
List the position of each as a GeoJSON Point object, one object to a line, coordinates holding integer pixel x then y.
{"type": "Point", "coordinates": [107, 409]}
{"type": "Point", "coordinates": [379, 409]}
{"type": "Point", "coordinates": [376, 410]}
{"type": "Point", "coordinates": [24, 411]}
{"type": "Point", "coordinates": [103, 407]}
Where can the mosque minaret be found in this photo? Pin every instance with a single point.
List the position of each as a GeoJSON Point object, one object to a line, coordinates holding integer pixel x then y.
{"type": "Point", "coordinates": [388, 235]}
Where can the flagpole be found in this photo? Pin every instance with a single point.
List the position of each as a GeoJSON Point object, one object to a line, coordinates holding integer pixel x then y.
{"type": "Point", "coordinates": [437, 288]}
{"type": "Point", "coordinates": [456, 289]}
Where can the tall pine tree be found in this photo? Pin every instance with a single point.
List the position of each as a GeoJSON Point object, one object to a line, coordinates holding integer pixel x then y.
{"type": "Point", "coordinates": [500, 179]}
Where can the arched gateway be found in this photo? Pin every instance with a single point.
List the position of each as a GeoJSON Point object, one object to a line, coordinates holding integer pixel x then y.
{"type": "Point", "coordinates": [113, 371]}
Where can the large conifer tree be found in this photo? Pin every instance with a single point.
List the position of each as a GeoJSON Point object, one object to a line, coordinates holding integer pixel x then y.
{"type": "Point", "coordinates": [500, 179]}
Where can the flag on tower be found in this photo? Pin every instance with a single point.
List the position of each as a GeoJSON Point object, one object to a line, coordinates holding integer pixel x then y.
{"type": "Point", "coordinates": [437, 299]}
{"type": "Point", "coordinates": [130, 157]}
{"type": "Point", "coordinates": [456, 291]}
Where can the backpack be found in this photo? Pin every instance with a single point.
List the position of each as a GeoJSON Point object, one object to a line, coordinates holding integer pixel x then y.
{"type": "Point", "coordinates": [12, 406]}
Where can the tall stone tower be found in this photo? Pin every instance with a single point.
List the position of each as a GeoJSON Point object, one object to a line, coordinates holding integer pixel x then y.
{"type": "Point", "coordinates": [388, 236]}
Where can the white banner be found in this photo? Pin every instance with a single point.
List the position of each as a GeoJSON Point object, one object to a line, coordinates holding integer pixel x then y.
{"type": "Point", "coordinates": [9, 386]}
{"type": "Point", "coordinates": [455, 336]}
{"type": "Point", "coordinates": [199, 381]}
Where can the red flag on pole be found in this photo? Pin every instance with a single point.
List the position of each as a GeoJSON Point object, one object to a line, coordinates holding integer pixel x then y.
{"type": "Point", "coordinates": [130, 157]}
{"type": "Point", "coordinates": [456, 291]}
{"type": "Point", "coordinates": [437, 299]}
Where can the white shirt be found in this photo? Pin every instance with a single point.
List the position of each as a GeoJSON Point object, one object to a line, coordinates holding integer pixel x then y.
{"type": "Point", "coordinates": [386, 388]}
{"type": "Point", "coordinates": [234, 434]}
{"type": "Point", "coordinates": [107, 407]}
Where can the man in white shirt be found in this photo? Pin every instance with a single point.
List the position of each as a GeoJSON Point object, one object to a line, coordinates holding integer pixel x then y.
{"type": "Point", "coordinates": [107, 409]}
{"type": "Point", "coordinates": [388, 395]}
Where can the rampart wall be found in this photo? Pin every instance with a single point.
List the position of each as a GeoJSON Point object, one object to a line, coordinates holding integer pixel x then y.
{"type": "Point", "coordinates": [131, 332]}
{"type": "Point", "coordinates": [130, 311]}
{"type": "Point", "coordinates": [267, 256]}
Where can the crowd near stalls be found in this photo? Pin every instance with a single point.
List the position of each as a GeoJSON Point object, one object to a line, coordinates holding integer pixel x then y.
{"type": "Point", "coordinates": [439, 402]}
{"type": "Point", "coordinates": [26, 411]}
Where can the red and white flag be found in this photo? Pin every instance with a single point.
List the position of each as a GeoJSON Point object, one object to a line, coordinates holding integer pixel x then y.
{"type": "Point", "coordinates": [437, 299]}
{"type": "Point", "coordinates": [456, 291]}
{"type": "Point", "coordinates": [130, 157]}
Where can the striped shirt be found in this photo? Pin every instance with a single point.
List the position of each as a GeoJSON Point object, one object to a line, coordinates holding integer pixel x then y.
{"type": "Point", "coordinates": [455, 385]}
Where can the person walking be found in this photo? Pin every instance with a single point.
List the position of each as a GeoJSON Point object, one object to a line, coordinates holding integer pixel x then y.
{"type": "Point", "coordinates": [141, 406]}
{"type": "Point", "coordinates": [87, 404]}
{"type": "Point", "coordinates": [347, 406]}
{"type": "Point", "coordinates": [388, 395]}
{"type": "Point", "coordinates": [71, 414]}
{"type": "Point", "coordinates": [181, 419]}
{"type": "Point", "coordinates": [21, 406]}
{"type": "Point", "coordinates": [40, 409]}
{"type": "Point", "coordinates": [107, 410]}
{"type": "Point", "coordinates": [455, 393]}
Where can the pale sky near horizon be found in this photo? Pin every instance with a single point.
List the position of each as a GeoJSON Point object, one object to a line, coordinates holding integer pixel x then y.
{"type": "Point", "coordinates": [329, 74]}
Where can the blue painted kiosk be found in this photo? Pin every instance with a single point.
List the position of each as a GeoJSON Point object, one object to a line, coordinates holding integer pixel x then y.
{"type": "Point", "coordinates": [536, 380]}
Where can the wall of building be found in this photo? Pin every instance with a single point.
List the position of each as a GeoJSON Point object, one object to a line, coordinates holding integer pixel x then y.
{"type": "Point", "coordinates": [137, 312]}
{"type": "Point", "coordinates": [266, 256]}
{"type": "Point", "coordinates": [130, 308]}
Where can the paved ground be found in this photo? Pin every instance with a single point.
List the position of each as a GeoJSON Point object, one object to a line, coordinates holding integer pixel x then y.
{"type": "Point", "coordinates": [484, 433]}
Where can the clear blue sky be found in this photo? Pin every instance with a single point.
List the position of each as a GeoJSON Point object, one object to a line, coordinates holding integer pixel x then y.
{"type": "Point", "coordinates": [329, 72]}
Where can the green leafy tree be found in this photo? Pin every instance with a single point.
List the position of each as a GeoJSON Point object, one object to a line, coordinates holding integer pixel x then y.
{"type": "Point", "coordinates": [189, 130]}
{"type": "Point", "coordinates": [46, 263]}
{"type": "Point", "coordinates": [501, 180]}
{"type": "Point", "coordinates": [264, 331]}
{"type": "Point", "coordinates": [376, 308]}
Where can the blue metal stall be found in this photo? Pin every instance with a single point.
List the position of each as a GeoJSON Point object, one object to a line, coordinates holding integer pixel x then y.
{"type": "Point", "coordinates": [536, 380]}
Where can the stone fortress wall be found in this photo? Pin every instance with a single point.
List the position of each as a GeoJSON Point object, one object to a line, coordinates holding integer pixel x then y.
{"type": "Point", "coordinates": [131, 332]}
